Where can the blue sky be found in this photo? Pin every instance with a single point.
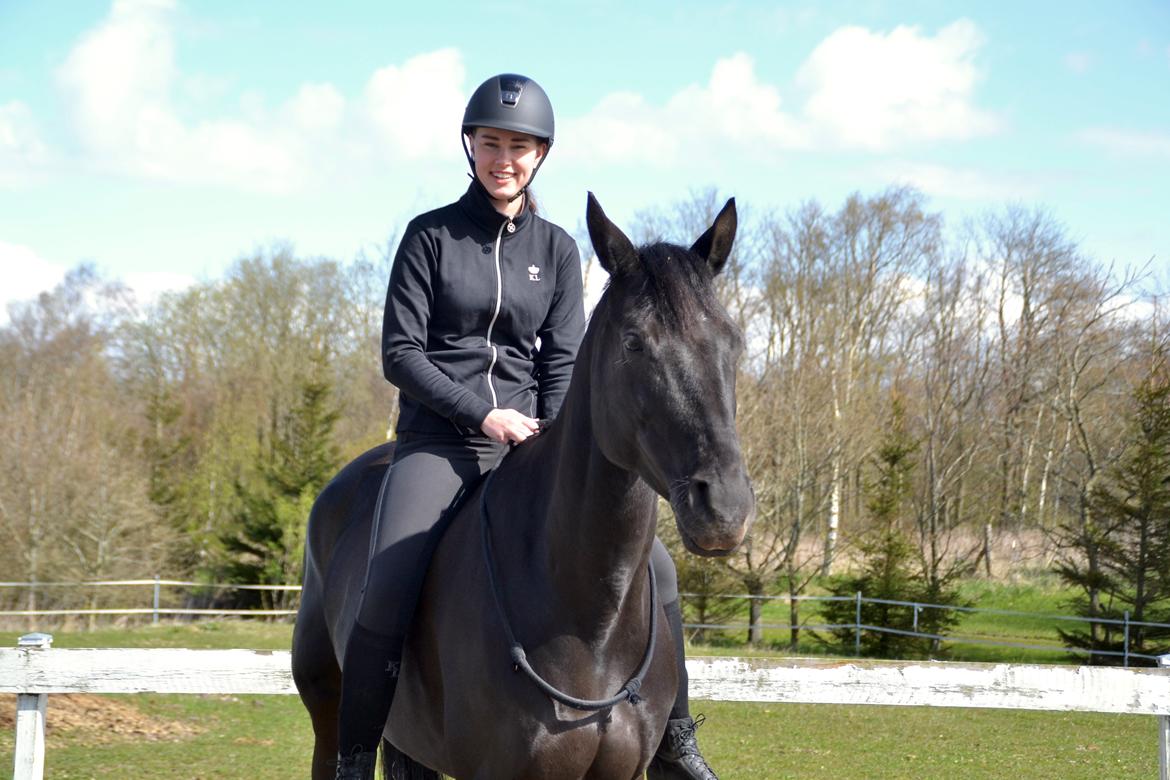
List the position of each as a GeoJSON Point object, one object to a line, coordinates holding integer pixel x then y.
{"type": "Point", "coordinates": [163, 139]}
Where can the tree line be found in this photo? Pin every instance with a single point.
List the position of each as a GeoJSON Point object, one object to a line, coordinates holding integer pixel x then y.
{"type": "Point", "coordinates": [916, 398]}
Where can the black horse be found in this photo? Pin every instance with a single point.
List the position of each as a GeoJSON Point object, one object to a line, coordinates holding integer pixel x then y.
{"type": "Point", "coordinates": [650, 412]}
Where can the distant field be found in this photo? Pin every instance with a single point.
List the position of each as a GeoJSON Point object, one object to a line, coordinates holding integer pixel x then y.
{"type": "Point", "coordinates": [1044, 596]}
{"type": "Point", "coordinates": [256, 737]}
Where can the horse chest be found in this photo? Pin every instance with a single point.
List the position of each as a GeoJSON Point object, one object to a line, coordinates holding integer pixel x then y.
{"type": "Point", "coordinates": [614, 744]}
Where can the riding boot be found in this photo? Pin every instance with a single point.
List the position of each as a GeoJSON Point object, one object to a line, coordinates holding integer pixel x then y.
{"type": "Point", "coordinates": [678, 756]}
{"type": "Point", "coordinates": [358, 765]}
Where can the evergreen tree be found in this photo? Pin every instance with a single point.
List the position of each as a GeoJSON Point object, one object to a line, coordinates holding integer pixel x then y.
{"type": "Point", "coordinates": [1129, 533]}
{"type": "Point", "coordinates": [266, 545]}
{"type": "Point", "coordinates": [168, 455]}
{"type": "Point", "coordinates": [891, 568]}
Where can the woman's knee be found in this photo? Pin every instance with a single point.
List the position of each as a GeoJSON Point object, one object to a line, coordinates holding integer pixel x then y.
{"type": "Point", "coordinates": [664, 572]}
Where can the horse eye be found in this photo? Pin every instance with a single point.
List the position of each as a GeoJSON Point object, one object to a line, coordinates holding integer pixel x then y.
{"type": "Point", "coordinates": [632, 343]}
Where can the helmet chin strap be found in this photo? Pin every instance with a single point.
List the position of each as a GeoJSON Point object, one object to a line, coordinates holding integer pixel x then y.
{"type": "Point", "coordinates": [475, 178]}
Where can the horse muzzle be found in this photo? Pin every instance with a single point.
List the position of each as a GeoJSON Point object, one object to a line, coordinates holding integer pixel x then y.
{"type": "Point", "coordinates": [713, 511]}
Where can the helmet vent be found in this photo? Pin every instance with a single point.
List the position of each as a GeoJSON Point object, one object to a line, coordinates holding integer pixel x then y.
{"type": "Point", "coordinates": [510, 90]}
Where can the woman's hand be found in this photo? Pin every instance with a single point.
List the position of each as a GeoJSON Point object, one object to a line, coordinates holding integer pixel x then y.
{"type": "Point", "coordinates": [505, 425]}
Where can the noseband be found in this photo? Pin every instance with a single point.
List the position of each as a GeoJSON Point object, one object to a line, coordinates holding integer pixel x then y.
{"type": "Point", "coordinates": [630, 691]}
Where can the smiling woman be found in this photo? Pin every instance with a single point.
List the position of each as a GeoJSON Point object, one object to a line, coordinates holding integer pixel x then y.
{"type": "Point", "coordinates": [505, 163]}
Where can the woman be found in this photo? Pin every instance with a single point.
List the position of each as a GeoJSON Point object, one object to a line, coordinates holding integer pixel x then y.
{"type": "Point", "coordinates": [483, 318]}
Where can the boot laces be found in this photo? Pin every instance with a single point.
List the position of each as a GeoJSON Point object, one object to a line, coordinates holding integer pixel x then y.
{"type": "Point", "coordinates": [683, 741]}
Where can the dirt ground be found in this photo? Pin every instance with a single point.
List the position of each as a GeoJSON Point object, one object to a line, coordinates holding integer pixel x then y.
{"type": "Point", "coordinates": [98, 719]}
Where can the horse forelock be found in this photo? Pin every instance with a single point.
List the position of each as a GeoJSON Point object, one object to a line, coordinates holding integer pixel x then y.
{"type": "Point", "coordinates": [675, 286]}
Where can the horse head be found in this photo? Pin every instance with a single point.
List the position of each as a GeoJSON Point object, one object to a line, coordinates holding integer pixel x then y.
{"type": "Point", "coordinates": [665, 351]}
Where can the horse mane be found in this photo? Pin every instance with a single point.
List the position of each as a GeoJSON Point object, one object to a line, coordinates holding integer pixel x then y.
{"type": "Point", "coordinates": [675, 284]}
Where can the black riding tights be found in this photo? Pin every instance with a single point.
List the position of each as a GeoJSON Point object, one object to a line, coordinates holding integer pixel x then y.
{"type": "Point", "coordinates": [428, 477]}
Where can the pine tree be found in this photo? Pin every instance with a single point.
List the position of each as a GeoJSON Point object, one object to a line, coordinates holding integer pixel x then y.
{"type": "Point", "coordinates": [1129, 533]}
{"type": "Point", "coordinates": [167, 452]}
{"type": "Point", "coordinates": [267, 544]}
{"type": "Point", "coordinates": [891, 569]}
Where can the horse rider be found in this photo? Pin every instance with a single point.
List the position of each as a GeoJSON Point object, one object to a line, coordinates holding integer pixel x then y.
{"type": "Point", "coordinates": [484, 315]}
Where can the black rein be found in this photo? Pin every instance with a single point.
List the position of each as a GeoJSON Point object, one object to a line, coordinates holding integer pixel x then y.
{"type": "Point", "coordinates": [630, 691]}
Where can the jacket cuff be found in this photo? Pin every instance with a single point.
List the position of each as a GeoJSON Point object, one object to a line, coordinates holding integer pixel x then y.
{"type": "Point", "coordinates": [472, 414]}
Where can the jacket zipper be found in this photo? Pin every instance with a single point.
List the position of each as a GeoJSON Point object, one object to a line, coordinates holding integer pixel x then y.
{"type": "Point", "coordinates": [496, 313]}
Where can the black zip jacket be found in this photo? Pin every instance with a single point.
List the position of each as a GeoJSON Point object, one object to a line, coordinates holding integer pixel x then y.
{"type": "Point", "coordinates": [471, 291]}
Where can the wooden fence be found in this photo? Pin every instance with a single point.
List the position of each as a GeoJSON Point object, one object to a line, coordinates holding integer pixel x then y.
{"type": "Point", "coordinates": [34, 670]}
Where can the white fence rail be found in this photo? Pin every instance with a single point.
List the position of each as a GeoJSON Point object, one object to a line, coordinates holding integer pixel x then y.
{"type": "Point", "coordinates": [34, 670]}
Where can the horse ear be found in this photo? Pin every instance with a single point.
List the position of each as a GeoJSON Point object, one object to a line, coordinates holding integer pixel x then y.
{"type": "Point", "coordinates": [714, 246]}
{"type": "Point", "coordinates": [614, 250]}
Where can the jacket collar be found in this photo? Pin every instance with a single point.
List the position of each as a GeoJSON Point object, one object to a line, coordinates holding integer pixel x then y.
{"type": "Point", "coordinates": [478, 206]}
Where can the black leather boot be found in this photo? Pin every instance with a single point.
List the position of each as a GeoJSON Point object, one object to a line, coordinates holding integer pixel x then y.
{"type": "Point", "coordinates": [356, 766]}
{"type": "Point", "coordinates": [678, 757]}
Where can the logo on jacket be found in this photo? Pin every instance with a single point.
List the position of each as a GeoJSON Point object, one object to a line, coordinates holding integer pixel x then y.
{"type": "Point", "coordinates": [533, 273]}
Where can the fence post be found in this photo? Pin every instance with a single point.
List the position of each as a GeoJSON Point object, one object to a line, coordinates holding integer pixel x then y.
{"type": "Point", "coordinates": [857, 627]}
{"type": "Point", "coordinates": [156, 594]}
{"type": "Point", "coordinates": [1125, 645]}
{"type": "Point", "coordinates": [1164, 733]}
{"type": "Point", "coordinates": [29, 751]}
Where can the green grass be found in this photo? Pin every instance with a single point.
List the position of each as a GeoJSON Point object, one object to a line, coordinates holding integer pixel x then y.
{"type": "Point", "coordinates": [202, 635]}
{"type": "Point", "coordinates": [258, 737]}
{"type": "Point", "coordinates": [269, 736]}
{"type": "Point", "coordinates": [1043, 595]}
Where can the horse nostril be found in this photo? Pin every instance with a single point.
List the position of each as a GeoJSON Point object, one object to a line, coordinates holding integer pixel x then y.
{"type": "Point", "coordinates": [700, 493]}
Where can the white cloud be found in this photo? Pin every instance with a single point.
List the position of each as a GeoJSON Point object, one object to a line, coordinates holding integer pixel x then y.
{"type": "Point", "coordinates": [22, 152]}
{"type": "Point", "coordinates": [119, 70]}
{"type": "Point", "coordinates": [316, 107]}
{"type": "Point", "coordinates": [875, 91]}
{"type": "Point", "coordinates": [621, 126]}
{"type": "Point", "coordinates": [416, 109]}
{"type": "Point", "coordinates": [26, 274]}
{"type": "Point", "coordinates": [735, 104]}
{"type": "Point", "coordinates": [149, 285]}
{"type": "Point", "coordinates": [954, 182]}
{"type": "Point", "coordinates": [865, 90]}
{"type": "Point", "coordinates": [1130, 143]}
{"type": "Point", "coordinates": [733, 108]}
{"type": "Point", "coordinates": [121, 82]}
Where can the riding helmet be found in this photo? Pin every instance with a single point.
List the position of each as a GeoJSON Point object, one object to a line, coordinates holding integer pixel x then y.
{"type": "Point", "coordinates": [511, 102]}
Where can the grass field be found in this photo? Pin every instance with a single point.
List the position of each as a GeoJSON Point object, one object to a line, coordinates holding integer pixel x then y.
{"type": "Point", "coordinates": [1044, 596]}
{"type": "Point", "coordinates": [257, 737]}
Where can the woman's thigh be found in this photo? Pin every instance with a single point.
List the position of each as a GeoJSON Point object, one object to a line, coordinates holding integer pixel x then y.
{"type": "Point", "coordinates": [427, 480]}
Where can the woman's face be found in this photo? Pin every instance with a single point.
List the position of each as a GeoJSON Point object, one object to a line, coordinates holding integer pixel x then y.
{"type": "Point", "coordinates": [504, 160]}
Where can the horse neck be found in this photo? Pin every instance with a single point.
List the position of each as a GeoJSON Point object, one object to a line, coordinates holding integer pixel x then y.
{"type": "Point", "coordinates": [601, 520]}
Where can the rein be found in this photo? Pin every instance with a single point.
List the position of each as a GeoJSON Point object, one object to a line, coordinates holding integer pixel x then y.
{"type": "Point", "coordinates": [630, 691]}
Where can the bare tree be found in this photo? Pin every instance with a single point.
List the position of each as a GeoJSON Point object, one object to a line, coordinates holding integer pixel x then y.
{"type": "Point", "coordinates": [878, 246]}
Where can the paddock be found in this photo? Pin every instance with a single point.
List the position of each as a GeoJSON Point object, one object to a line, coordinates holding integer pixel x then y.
{"type": "Point", "coordinates": [35, 671]}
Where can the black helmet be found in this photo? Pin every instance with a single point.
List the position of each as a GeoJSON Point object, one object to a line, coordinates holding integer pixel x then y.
{"type": "Point", "coordinates": [511, 102]}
